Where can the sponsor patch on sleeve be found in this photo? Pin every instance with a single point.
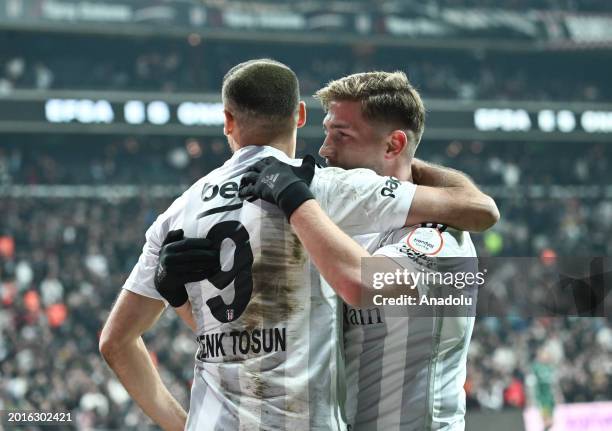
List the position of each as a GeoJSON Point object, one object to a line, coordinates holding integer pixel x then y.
{"type": "Point", "coordinates": [426, 240]}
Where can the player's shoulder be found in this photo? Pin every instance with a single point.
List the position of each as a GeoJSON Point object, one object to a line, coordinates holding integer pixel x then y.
{"type": "Point", "coordinates": [178, 206]}
{"type": "Point", "coordinates": [172, 217]}
{"type": "Point", "coordinates": [340, 190]}
{"type": "Point", "coordinates": [339, 174]}
{"type": "Point", "coordinates": [341, 182]}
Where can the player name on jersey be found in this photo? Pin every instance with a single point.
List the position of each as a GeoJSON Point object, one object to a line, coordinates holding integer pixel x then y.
{"type": "Point", "coordinates": [221, 344]}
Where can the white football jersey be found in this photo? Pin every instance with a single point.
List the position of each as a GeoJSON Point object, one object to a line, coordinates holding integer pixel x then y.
{"type": "Point", "coordinates": [267, 327]}
{"type": "Point", "coordinates": [407, 373]}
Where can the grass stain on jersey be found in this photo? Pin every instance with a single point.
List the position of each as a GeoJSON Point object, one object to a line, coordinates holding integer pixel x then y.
{"type": "Point", "coordinates": [260, 386]}
{"type": "Point", "coordinates": [278, 274]}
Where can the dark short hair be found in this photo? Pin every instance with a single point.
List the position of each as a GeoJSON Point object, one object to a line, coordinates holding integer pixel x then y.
{"type": "Point", "coordinates": [262, 88]}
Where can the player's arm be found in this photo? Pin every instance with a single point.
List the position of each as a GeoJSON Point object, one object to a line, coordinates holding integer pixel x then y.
{"type": "Point", "coordinates": [186, 315]}
{"type": "Point", "coordinates": [166, 263]}
{"type": "Point", "coordinates": [360, 201]}
{"type": "Point", "coordinates": [449, 197]}
{"type": "Point", "coordinates": [339, 258]}
{"type": "Point", "coordinates": [123, 349]}
{"type": "Point", "coordinates": [336, 255]}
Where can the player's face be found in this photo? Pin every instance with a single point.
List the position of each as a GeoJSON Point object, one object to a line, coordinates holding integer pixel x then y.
{"type": "Point", "coordinates": [350, 140]}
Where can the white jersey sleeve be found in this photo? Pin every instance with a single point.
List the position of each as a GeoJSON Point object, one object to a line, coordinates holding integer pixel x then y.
{"type": "Point", "coordinates": [141, 278]}
{"type": "Point", "coordinates": [360, 201]}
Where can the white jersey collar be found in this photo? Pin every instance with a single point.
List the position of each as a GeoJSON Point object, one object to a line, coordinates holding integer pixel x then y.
{"type": "Point", "coordinates": [246, 154]}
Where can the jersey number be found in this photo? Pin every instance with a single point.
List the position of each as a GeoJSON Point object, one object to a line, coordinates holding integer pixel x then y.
{"type": "Point", "coordinates": [241, 272]}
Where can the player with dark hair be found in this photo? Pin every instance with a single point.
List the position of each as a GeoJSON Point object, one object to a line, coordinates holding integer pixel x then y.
{"type": "Point", "coordinates": [402, 373]}
{"type": "Point", "coordinates": [266, 324]}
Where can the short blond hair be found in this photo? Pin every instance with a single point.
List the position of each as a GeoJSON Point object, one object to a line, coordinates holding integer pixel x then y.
{"type": "Point", "coordinates": [386, 97]}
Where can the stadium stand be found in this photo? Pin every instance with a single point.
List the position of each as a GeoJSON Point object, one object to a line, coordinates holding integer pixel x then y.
{"type": "Point", "coordinates": [63, 260]}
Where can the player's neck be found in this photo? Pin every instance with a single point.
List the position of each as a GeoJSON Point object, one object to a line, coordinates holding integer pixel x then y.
{"type": "Point", "coordinates": [400, 170]}
{"type": "Point", "coordinates": [286, 145]}
{"type": "Point", "coordinates": [285, 142]}
{"type": "Point", "coordinates": [287, 148]}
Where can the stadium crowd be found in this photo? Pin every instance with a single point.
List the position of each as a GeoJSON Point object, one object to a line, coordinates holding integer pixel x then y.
{"type": "Point", "coordinates": [538, 214]}
{"type": "Point", "coordinates": [175, 65]}
{"type": "Point", "coordinates": [63, 262]}
{"type": "Point", "coordinates": [562, 5]}
{"type": "Point", "coordinates": [176, 160]}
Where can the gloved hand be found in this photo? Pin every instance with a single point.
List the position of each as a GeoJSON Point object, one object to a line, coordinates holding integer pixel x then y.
{"type": "Point", "coordinates": [184, 260]}
{"type": "Point", "coordinates": [279, 183]}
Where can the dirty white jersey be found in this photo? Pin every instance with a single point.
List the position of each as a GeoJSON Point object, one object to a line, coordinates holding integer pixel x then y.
{"type": "Point", "coordinates": [407, 373]}
{"type": "Point", "coordinates": [268, 329]}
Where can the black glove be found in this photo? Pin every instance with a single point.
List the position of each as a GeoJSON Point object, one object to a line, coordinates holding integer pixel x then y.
{"type": "Point", "coordinates": [184, 261]}
{"type": "Point", "coordinates": [279, 183]}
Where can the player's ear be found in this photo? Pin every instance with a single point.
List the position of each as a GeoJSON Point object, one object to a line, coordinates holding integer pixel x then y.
{"type": "Point", "coordinates": [229, 122]}
{"type": "Point", "coordinates": [301, 114]}
{"type": "Point", "coordinates": [397, 141]}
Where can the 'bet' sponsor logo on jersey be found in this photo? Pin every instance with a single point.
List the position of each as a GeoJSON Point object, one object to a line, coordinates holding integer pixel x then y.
{"type": "Point", "coordinates": [227, 190]}
{"type": "Point", "coordinates": [390, 185]}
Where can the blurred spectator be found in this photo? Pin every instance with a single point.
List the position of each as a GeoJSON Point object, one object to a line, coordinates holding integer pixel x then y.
{"type": "Point", "coordinates": [172, 65]}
